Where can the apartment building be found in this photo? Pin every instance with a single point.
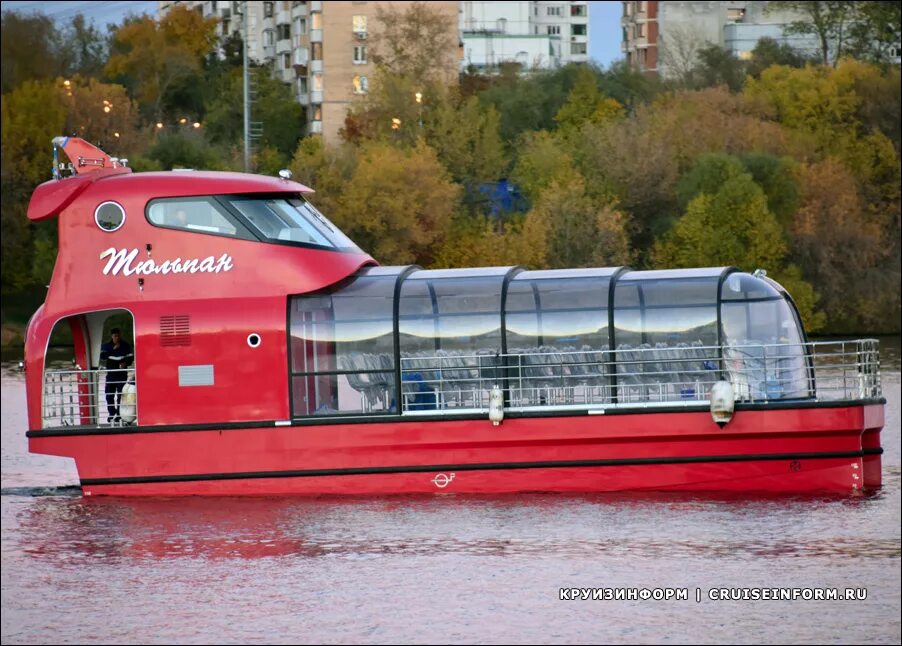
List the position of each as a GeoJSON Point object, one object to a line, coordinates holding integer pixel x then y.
{"type": "Point", "coordinates": [536, 35]}
{"type": "Point", "coordinates": [663, 37]}
{"type": "Point", "coordinates": [320, 48]}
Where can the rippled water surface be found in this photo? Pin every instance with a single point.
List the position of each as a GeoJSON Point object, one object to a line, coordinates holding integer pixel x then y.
{"type": "Point", "coordinates": [438, 569]}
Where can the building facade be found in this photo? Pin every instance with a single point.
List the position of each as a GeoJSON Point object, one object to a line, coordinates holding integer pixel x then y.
{"type": "Point", "coordinates": [321, 49]}
{"type": "Point", "coordinates": [535, 35]}
{"type": "Point", "coordinates": [663, 37]}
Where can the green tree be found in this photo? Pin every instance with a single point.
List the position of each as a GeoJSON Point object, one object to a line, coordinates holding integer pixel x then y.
{"type": "Point", "coordinates": [586, 104]}
{"type": "Point", "coordinates": [717, 66]}
{"type": "Point", "coordinates": [876, 32]}
{"type": "Point", "coordinates": [398, 204]}
{"type": "Point", "coordinates": [827, 20]}
{"type": "Point", "coordinates": [543, 159]}
{"type": "Point", "coordinates": [465, 136]}
{"type": "Point", "coordinates": [768, 52]}
{"type": "Point", "coordinates": [32, 115]}
{"type": "Point", "coordinates": [734, 227]}
{"type": "Point", "coordinates": [776, 176]}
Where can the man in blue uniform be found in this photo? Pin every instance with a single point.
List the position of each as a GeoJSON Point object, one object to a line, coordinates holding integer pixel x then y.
{"type": "Point", "coordinates": [118, 355]}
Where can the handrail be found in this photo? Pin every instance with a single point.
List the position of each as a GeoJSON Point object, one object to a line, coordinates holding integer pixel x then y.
{"type": "Point", "coordinates": [76, 397]}
{"type": "Point", "coordinates": [551, 377]}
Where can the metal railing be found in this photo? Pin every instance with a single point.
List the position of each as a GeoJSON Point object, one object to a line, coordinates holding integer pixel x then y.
{"type": "Point", "coordinates": [640, 376]}
{"type": "Point", "coordinates": [77, 397]}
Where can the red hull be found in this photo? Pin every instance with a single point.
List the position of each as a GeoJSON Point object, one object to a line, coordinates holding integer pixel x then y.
{"type": "Point", "coordinates": [782, 450]}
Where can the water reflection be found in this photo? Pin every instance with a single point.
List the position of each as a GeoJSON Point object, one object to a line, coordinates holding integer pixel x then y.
{"type": "Point", "coordinates": [71, 530]}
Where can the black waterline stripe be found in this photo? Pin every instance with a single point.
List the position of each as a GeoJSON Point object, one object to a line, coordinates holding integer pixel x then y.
{"type": "Point", "coordinates": [487, 466]}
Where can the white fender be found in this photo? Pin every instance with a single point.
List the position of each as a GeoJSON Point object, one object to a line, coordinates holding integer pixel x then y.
{"type": "Point", "coordinates": [128, 403]}
{"type": "Point", "coordinates": [722, 403]}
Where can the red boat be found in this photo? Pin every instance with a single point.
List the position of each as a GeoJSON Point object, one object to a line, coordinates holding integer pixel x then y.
{"type": "Point", "coordinates": [273, 356]}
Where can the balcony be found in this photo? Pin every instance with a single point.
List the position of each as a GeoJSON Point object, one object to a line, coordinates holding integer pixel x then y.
{"type": "Point", "coordinates": [283, 46]}
{"type": "Point", "coordinates": [316, 96]}
{"type": "Point", "coordinates": [304, 98]}
{"type": "Point", "coordinates": [299, 11]}
{"type": "Point", "coordinates": [316, 6]}
{"type": "Point", "coordinates": [316, 66]}
{"type": "Point", "coordinates": [316, 35]}
{"type": "Point", "coordinates": [316, 127]}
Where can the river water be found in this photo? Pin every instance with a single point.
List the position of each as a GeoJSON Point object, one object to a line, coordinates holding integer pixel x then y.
{"type": "Point", "coordinates": [455, 569]}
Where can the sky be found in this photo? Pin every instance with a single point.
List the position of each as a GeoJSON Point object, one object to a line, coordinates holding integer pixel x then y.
{"type": "Point", "coordinates": [604, 19]}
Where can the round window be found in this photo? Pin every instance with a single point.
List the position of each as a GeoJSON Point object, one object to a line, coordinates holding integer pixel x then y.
{"type": "Point", "coordinates": [109, 216]}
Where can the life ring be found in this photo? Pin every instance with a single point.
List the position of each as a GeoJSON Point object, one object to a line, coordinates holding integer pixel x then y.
{"type": "Point", "coordinates": [128, 403]}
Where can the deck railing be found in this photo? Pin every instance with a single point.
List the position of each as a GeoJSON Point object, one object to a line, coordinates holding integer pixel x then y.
{"type": "Point", "coordinates": [641, 376]}
{"type": "Point", "coordinates": [75, 397]}
{"type": "Point", "coordinates": [564, 378]}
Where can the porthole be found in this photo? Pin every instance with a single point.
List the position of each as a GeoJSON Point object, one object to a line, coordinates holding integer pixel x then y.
{"type": "Point", "coordinates": [254, 340]}
{"type": "Point", "coordinates": [109, 216]}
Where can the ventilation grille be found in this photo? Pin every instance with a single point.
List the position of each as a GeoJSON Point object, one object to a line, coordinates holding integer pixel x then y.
{"type": "Point", "coordinates": [175, 330]}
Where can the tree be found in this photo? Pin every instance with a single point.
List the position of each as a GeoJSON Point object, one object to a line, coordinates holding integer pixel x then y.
{"type": "Point", "coordinates": [717, 66]}
{"type": "Point", "coordinates": [418, 43]}
{"type": "Point", "coordinates": [29, 49]}
{"type": "Point", "coordinates": [827, 20]}
{"type": "Point", "coordinates": [30, 116]}
{"type": "Point", "coordinates": [678, 51]}
{"type": "Point", "coordinates": [480, 242]}
{"type": "Point", "coordinates": [103, 114]}
{"type": "Point", "coordinates": [875, 34]}
{"type": "Point", "coordinates": [152, 58]}
{"type": "Point", "coordinates": [84, 48]}
{"type": "Point", "coordinates": [840, 248]}
{"type": "Point", "coordinates": [465, 136]}
{"type": "Point", "coordinates": [581, 231]}
{"type": "Point", "coordinates": [543, 159]}
{"type": "Point", "coordinates": [586, 104]}
{"type": "Point", "coordinates": [398, 204]}
{"type": "Point", "coordinates": [733, 226]}
{"type": "Point", "coordinates": [768, 52]}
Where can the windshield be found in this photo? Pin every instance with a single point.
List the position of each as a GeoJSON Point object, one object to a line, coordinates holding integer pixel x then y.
{"type": "Point", "coordinates": [291, 220]}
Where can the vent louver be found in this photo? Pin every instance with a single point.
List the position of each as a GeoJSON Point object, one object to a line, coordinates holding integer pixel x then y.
{"type": "Point", "coordinates": [175, 330]}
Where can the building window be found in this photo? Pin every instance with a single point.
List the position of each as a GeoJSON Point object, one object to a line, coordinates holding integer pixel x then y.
{"type": "Point", "coordinates": [359, 54]}
{"type": "Point", "coordinates": [316, 20]}
{"type": "Point", "coordinates": [316, 51]}
{"type": "Point", "coordinates": [267, 9]}
{"type": "Point", "coordinates": [300, 26]}
{"type": "Point", "coordinates": [269, 38]}
{"type": "Point", "coordinates": [578, 10]}
{"type": "Point", "coordinates": [577, 49]}
{"type": "Point", "coordinates": [286, 61]}
{"type": "Point", "coordinates": [553, 30]}
{"type": "Point", "coordinates": [284, 31]}
{"type": "Point", "coordinates": [735, 13]}
{"type": "Point", "coordinates": [358, 24]}
{"type": "Point", "coordinates": [361, 84]}
{"type": "Point", "coordinates": [553, 11]}
{"type": "Point", "coordinates": [317, 82]}
{"type": "Point", "coordinates": [213, 6]}
{"type": "Point", "coordinates": [579, 30]}
{"type": "Point", "coordinates": [502, 25]}
{"type": "Point", "coordinates": [302, 85]}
